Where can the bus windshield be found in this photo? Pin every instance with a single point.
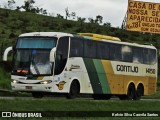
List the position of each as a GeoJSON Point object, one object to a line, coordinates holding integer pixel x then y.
{"type": "Point", "coordinates": [32, 56]}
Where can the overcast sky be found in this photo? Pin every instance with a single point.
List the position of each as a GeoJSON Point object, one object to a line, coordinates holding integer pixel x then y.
{"type": "Point", "coordinates": [112, 11]}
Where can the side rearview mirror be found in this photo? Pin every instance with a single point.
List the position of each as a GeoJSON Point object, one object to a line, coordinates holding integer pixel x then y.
{"type": "Point", "coordinates": [52, 55]}
{"type": "Point", "coordinates": [6, 53]}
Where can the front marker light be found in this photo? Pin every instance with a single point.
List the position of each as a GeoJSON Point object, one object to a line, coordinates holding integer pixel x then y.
{"type": "Point", "coordinates": [46, 82]}
{"type": "Point", "coordinates": [15, 81]}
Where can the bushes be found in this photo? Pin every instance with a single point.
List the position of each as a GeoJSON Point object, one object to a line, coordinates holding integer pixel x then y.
{"type": "Point", "coordinates": [4, 79]}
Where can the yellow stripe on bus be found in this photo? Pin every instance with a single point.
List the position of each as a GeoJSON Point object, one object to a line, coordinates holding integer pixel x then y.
{"type": "Point", "coordinates": [119, 83]}
{"type": "Point", "coordinates": [100, 37]}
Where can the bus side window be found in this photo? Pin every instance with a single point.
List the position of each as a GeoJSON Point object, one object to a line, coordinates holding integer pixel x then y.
{"type": "Point", "coordinates": [102, 50]}
{"type": "Point", "coordinates": [153, 56]}
{"type": "Point", "coordinates": [76, 47]}
{"type": "Point", "coordinates": [149, 56]}
{"type": "Point", "coordinates": [61, 54]}
{"type": "Point", "coordinates": [137, 55]}
{"type": "Point", "coordinates": [127, 53]}
{"type": "Point", "coordinates": [90, 49]}
{"type": "Point", "coordinates": [115, 52]}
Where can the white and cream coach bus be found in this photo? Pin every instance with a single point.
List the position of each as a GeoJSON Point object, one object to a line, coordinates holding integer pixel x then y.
{"type": "Point", "coordinates": [86, 63]}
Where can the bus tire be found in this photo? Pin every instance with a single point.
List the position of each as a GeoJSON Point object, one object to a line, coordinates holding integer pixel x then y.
{"type": "Point", "coordinates": [139, 92]}
{"type": "Point", "coordinates": [131, 92]}
{"type": "Point", "coordinates": [74, 90]}
{"type": "Point", "coordinates": [37, 94]}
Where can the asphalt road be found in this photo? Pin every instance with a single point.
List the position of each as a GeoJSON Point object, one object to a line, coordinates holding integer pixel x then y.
{"type": "Point", "coordinates": [31, 98]}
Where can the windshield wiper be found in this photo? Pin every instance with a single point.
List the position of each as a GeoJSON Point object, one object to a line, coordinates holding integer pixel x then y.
{"type": "Point", "coordinates": [35, 67]}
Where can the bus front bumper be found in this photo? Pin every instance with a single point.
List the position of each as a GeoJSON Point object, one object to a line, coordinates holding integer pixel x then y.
{"type": "Point", "coordinates": [32, 87]}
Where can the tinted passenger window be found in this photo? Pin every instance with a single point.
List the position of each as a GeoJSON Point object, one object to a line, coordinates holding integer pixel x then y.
{"type": "Point", "coordinates": [127, 53]}
{"type": "Point", "coordinates": [149, 56]}
{"type": "Point", "coordinates": [103, 50]}
{"type": "Point", "coordinates": [76, 49]}
{"type": "Point", "coordinates": [116, 52]}
{"type": "Point", "coordinates": [137, 55]}
{"type": "Point", "coordinates": [90, 49]}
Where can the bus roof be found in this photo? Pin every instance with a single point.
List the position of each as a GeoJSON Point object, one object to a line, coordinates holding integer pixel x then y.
{"type": "Point", "coordinates": [91, 36]}
{"type": "Point", "coordinates": [100, 37]}
{"type": "Point", "coordinates": [46, 34]}
{"type": "Point", "coordinates": [131, 44]}
{"type": "Point", "coordinates": [111, 39]}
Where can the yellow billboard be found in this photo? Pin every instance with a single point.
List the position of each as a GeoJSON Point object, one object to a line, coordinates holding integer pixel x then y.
{"type": "Point", "coordinates": [143, 17]}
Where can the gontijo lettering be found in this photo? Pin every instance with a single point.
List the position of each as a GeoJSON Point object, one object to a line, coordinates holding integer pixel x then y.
{"type": "Point", "coordinates": [125, 68]}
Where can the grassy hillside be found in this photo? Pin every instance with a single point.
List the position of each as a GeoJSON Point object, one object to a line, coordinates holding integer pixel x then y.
{"type": "Point", "coordinates": [13, 23]}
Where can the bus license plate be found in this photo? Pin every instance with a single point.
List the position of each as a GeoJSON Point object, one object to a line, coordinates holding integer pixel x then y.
{"type": "Point", "coordinates": [29, 87]}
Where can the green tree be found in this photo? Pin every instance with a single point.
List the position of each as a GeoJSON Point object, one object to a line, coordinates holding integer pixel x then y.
{"type": "Point", "coordinates": [98, 19]}
{"type": "Point", "coordinates": [81, 20]}
{"type": "Point", "coordinates": [107, 24]}
{"type": "Point", "coordinates": [29, 7]}
{"type": "Point", "coordinates": [67, 13]}
{"type": "Point", "coordinates": [59, 16]}
{"type": "Point", "coordinates": [11, 4]}
{"type": "Point", "coordinates": [91, 20]}
{"type": "Point", "coordinates": [41, 11]}
{"type": "Point", "coordinates": [73, 14]}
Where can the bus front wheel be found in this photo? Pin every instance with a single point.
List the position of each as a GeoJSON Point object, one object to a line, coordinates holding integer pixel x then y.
{"type": "Point", "coordinates": [74, 90]}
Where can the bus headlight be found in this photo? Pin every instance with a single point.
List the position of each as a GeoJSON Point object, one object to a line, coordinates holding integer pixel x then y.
{"type": "Point", "coordinates": [15, 81]}
{"type": "Point", "coordinates": [46, 82]}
